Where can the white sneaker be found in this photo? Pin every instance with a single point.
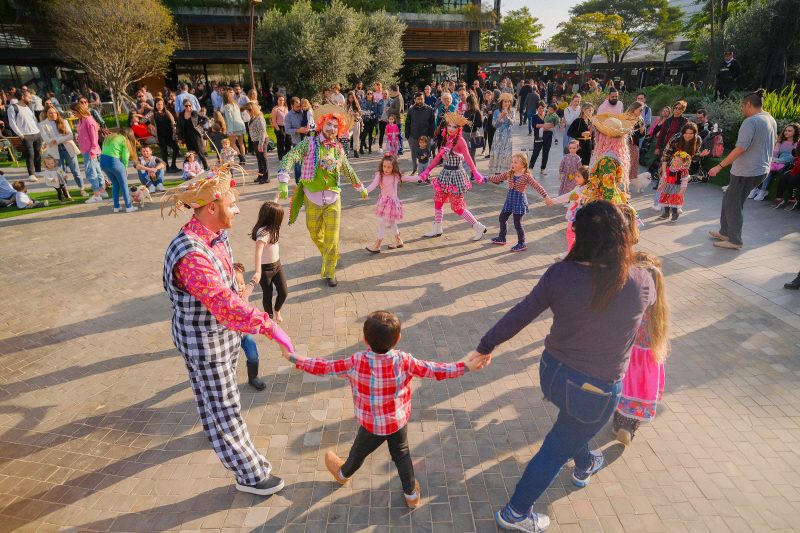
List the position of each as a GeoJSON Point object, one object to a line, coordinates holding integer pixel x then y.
{"type": "Point", "coordinates": [131, 209]}
{"type": "Point", "coordinates": [543, 173]}
{"type": "Point", "coordinates": [761, 195]}
{"type": "Point", "coordinates": [117, 209]}
{"type": "Point", "coordinates": [95, 199]}
{"type": "Point", "coordinates": [104, 195]}
{"type": "Point", "coordinates": [32, 178]}
{"type": "Point", "coordinates": [533, 523]}
{"type": "Point", "coordinates": [160, 187]}
{"type": "Point", "coordinates": [480, 231]}
{"type": "Point", "coordinates": [46, 203]}
{"type": "Point", "coordinates": [724, 188]}
{"type": "Point", "coordinates": [753, 193]}
{"type": "Point", "coordinates": [151, 188]}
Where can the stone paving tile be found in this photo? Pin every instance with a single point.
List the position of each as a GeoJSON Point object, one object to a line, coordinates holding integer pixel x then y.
{"type": "Point", "coordinates": [98, 430]}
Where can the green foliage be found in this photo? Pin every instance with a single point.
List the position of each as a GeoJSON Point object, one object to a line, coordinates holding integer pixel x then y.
{"type": "Point", "coordinates": [727, 113]}
{"type": "Point", "coordinates": [590, 33]}
{"type": "Point", "coordinates": [307, 51]}
{"type": "Point", "coordinates": [784, 105]}
{"type": "Point", "coordinates": [517, 32]}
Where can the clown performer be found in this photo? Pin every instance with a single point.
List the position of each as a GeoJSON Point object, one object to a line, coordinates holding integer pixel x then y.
{"type": "Point", "coordinates": [323, 164]}
{"type": "Point", "coordinates": [610, 163]}
{"type": "Point", "coordinates": [208, 321]}
{"type": "Point", "coordinates": [453, 182]}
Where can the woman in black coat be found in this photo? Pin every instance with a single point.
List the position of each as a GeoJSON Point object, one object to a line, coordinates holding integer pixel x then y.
{"type": "Point", "coordinates": [190, 131]}
{"type": "Point", "coordinates": [580, 130]}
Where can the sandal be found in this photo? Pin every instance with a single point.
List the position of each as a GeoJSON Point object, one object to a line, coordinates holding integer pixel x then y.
{"type": "Point", "coordinates": [370, 250]}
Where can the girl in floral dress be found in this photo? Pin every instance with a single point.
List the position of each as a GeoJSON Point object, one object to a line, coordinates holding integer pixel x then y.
{"type": "Point", "coordinates": [673, 186]}
{"type": "Point", "coordinates": [502, 119]}
{"type": "Point", "coordinates": [569, 167]}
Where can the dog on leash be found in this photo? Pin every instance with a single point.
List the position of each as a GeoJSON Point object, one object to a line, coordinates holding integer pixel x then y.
{"type": "Point", "coordinates": [140, 195]}
{"type": "Point", "coordinates": [641, 181]}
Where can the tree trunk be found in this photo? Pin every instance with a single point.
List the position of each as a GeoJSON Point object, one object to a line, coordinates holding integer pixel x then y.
{"type": "Point", "coordinates": [664, 63]}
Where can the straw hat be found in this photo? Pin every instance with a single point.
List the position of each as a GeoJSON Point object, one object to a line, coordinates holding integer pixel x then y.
{"type": "Point", "coordinates": [331, 109]}
{"type": "Point", "coordinates": [200, 191]}
{"type": "Point", "coordinates": [613, 125]}
{"type": "Point", "coordinates": [455, 118]}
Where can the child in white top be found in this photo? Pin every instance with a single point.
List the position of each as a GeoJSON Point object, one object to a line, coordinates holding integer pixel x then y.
{"type": "Point", "coordinates": [573, 201]}
{"type": "Point", "coordinates": [55, 177]}
{"type": "Point", "coordinates": [269, 272]}
{"type": "Point", "coordinates": [23, 200]}
{"type": "Point", "coordinates": [228, 154]}
{"type": "Point", "coordinates": [389, 209]}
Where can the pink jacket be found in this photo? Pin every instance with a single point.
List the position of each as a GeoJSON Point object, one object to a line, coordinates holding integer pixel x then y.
{"type": "Point", "coordinates": [88, 140]}
{"type": "Point", "coordinates": [389, 184]}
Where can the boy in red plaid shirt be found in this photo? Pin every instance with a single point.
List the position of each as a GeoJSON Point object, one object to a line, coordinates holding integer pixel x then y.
{"type": "Point", "coordinates": [381, 383]}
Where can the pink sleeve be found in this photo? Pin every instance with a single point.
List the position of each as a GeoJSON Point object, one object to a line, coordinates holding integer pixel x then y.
{"type": "Point", "coordinates": [461, 148]}
{"type": "Point", "coordinates": [375, 183]}
{"type": "Point", "coordinates": [195, 273]}
{"type": "Point", "coordinates": [409, 179]}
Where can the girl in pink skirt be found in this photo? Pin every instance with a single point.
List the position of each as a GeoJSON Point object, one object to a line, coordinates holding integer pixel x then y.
{"type": "Point", "coordinates": [643, 384]}
{"type": "Point", "coordinates": [389, 209]}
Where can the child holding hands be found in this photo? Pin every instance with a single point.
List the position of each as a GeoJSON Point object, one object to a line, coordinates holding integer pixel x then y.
{"type": "Point", "coordinates": [389, 209]}
{"type": "Point", "coordinates": [380, 378]}
{"type": "Point", "coordinates": [518, 178]}
{"type": "Point", "coordinates": [673, 185]}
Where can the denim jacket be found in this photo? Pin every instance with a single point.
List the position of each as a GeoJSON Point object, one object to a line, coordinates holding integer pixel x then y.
{"type": "Point", "coordinates": [369, 110]}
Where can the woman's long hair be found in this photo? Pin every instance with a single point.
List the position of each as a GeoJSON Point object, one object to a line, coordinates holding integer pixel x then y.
{"type": "Point", "coordinates": [602, 239]}
{"type": "Point", "coordinates": [61, 124]}
{"type": "Point", "coordinates": [691, 146]}
{"type": "Point", "coordinates": [658, 320]}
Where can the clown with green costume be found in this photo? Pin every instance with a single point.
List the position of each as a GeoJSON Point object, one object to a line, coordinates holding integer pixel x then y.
{"type": "Point", "coordinates": [323, 164]}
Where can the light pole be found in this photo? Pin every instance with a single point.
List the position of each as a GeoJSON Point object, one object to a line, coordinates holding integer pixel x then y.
{"type": "Point", "coordinates": [250, 47]}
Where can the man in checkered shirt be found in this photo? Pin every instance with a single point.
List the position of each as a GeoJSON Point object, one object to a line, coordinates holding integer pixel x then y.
{"type": "Point", "coordinates": [381, 383]}
{"type": "Point", "coordinates": [209, 318]}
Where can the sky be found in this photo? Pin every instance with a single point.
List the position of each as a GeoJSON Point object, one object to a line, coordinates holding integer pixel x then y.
{"type": "Point", "coordinates": [548, 12]}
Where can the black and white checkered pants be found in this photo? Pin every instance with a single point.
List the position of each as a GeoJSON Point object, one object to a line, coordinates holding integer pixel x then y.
{"type": "Point", "coordinates": [217, 397]}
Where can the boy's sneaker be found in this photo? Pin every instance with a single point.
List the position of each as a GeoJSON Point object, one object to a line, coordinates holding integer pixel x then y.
{"type": "Point", "coordinates": [519, 247]}
{"type": "Point", "coordinates": [533, 523]}
{"type": "Point", "coordinates": [160, 187]}
{"type": "Point", "coordinates": [498, 241]}
{"type": "Point", "coordinates": [271, 485]}
{"type": "Point", "coordinates": [761, 195]}
{"type": "Point", "coordinates": [151, 188]}
{"type": "Point", "coordinates": [413, 500]}
{"type": "Point", "coordinates": [46, 203]}
{"type": "Point", "coordinates": [581, 478]}
{"type": "Point", "coordinates": [334, 465]}
{"type": "Point", "coordinates": [753, 193]}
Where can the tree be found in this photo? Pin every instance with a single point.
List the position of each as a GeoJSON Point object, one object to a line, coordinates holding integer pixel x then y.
{"type": "Point", "coordinates": [114, 44]}
{"type": "Point", "coordinates": [517, 32]}
{"type": "Point", "coordinates": [382, 62]}
{"type": "Point", "coordinates": [640, 20]}
{"type": "Point", "coordinates": [309, 50]}
{"type": "Point", "coordinates": [669, 27]}
{"type": "Point", "coordinates": [589, 34]}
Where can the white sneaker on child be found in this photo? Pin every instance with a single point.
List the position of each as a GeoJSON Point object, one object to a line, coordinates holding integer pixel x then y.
{"type": "Point", "coordinates": [753, 193]}
{"type": "Point", "coordinates": [761, 195]}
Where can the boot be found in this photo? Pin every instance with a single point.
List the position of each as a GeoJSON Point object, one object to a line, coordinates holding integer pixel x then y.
{"type": "Point", "coordinates": [480, 230]}
{"type": "Point", "coordinates": [252, 377]}
{"type": "Point", "coordinates": [436, 230]}
{"type": "Point", "coordinates": [793, 285]}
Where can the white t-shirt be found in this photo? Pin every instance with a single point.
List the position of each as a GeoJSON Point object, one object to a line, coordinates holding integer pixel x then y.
{"type": "Point", "coordinates": [22, 199]}
{"type": "Point", "coordinates": [242, 101]}
{"type": "Point", "coordinates": [271, 253]}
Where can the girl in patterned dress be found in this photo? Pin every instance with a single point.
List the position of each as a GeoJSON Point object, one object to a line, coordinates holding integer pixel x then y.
{"type": "Point", "coordinates": [572, 199]}
{"type": "Point", "coordinates": [453, 182]}
{"type": "Point", "coordinates": [643, 384]}
{"type": "Point", "coordinates": [673, 185]}
{"type": "Point", "coordinates": [518, 178]}
{"type": "Point", "coordinates": [569, 167]}
{"type": "Point", "coordinates": [389, 209]}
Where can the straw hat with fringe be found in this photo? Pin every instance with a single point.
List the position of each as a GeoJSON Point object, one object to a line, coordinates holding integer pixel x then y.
{"type": "Point", "coordinates": [455, 118]}
{"type": "Point", "coordinates": [331, 109]}
{"type": "Point", "coordinates": [200, 191]}
{"type": "Point", "coordinates": [613, 125]}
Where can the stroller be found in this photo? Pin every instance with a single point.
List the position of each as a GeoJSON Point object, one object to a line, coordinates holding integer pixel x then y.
{"type": "Point", "coordinates": [712, 143]}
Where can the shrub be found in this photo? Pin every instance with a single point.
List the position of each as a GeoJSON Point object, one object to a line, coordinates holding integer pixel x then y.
{"type": "Point", "coordinates": [727, 113]}
{"type": "Point", "coordinates": [785, 105]}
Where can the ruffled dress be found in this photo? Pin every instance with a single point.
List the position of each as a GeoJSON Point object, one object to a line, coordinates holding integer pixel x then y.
{"type": "Point", "coordinates": [452, 179]}
{"type": "Point", "coordinates": [643, 384]}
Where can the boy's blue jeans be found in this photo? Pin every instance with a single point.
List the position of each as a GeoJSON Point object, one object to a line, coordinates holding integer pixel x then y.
{"type": "Point", "coordinates": [582, 414]}
{"type": "Point", "coordinates": [250, 348]}
{"type": "Point", "coordinates": [144, 177]}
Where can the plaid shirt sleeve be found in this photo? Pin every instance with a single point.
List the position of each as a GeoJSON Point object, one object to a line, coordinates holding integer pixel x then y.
{"type": "Point", "coordinates": [196, 274]}
{"type": "Point", "coordinates": [325, 367]}
{"type": "Point", "coordinates": [428, 369]}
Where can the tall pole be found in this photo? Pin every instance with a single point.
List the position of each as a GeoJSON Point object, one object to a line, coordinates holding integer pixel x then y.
{"type": "Point", "coordinates": [250, 47]}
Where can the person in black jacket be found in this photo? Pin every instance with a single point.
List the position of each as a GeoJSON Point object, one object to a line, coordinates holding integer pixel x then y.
{"type": "Point", "coordinates": [190, 131]}
{"type": "Point", "coordinates": [419, 123]}
{"type": "Point", "coordinates": [524, 91]}
{"type": "Point", "coordinates": [728, 72]}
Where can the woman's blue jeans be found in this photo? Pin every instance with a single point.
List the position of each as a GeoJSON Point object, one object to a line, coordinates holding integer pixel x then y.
{"type": "Point", "coordinates": [71, 162]}
{"type": "Point", "coordinates": [582, 414]}
{"type": "Point", "coordinates": [93, 172]}
{"type": "Point", "coordinates": [250, 348]}
{"type": "Point", "coordinates": [118, 174]}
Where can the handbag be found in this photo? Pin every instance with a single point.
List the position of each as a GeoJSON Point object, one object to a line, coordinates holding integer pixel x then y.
{"type": "Point", "coordinates": [477, 139]}
{"type": "Point", "coordinates": [72, 148]}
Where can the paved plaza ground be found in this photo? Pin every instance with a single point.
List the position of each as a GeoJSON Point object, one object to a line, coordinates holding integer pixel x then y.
{"type": "Point", "coordinates": [98, 428]}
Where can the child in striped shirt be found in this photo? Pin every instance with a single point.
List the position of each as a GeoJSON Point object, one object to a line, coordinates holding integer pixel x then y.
{"type": "Point", "coordinates": [516, 204]}
{"type": "Point", "coordinates": [381, 382]}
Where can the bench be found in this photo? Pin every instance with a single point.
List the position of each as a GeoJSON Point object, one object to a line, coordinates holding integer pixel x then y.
{"type": "Point", "coordinates": [12, 146]}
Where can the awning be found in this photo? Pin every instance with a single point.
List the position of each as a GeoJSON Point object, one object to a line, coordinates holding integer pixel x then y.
{"type": "Point", "coordinates": [466, 56]}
